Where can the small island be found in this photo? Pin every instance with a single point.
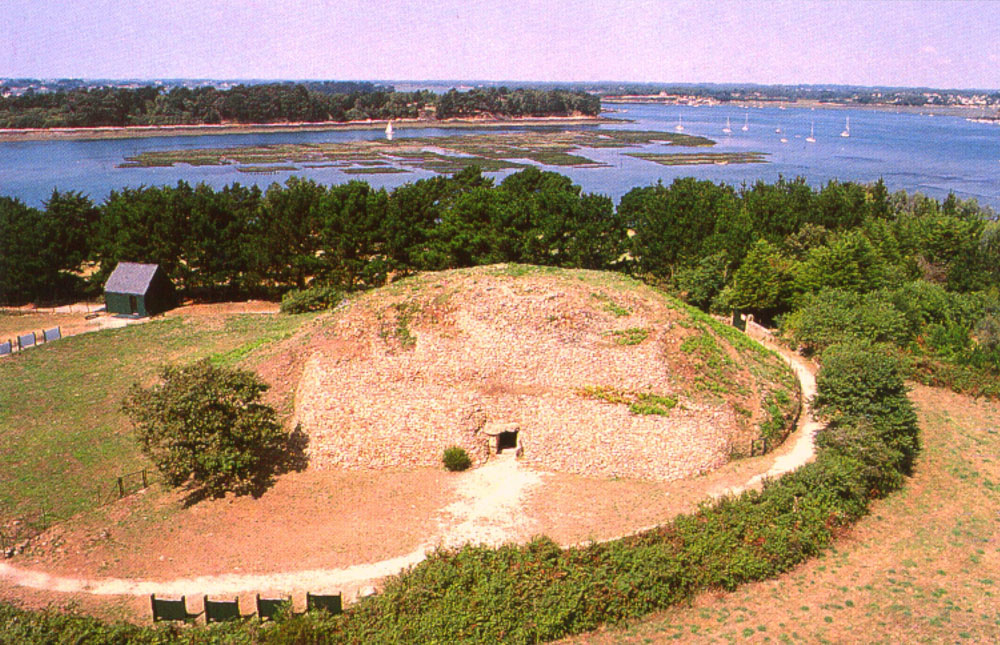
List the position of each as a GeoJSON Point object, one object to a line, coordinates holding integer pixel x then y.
{"type": "Point", "coordinates": [700, 158]}
{"type": "Point", "coordinates": [491, 152]}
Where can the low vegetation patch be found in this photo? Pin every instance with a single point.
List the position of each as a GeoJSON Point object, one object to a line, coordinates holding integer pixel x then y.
{"type": "Point", "coordinates": [491, 152]}
{"type": "Point", "coordinates": [298, 301]}
{"type": "Point", "coordinates": [630, 336]}
{"type": "Point", "coordinates": [700, 158]}
{"type": "Point", "coordinates": [638, 402]}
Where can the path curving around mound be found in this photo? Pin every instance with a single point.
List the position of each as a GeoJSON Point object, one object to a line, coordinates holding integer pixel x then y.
{"type": "Point", "coordinates": [487, 511]}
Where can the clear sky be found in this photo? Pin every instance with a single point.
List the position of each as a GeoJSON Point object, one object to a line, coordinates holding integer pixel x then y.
{"type": "Point", "coordinates": [951, 44]}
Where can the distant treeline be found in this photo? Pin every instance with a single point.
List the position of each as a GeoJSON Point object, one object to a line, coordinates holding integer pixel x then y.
{"type": "Point", "coordinates": [275, 103]}
{"type": "Point", "coordinates": [520, 102]}
{"type": "Point", "coordinates": [903, 268]}
{"type": "Point", "coordinates": [833, 94]}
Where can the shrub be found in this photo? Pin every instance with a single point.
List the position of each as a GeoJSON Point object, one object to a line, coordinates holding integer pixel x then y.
{"type": "Point", "coordinates": [456, 459]}
{"type": "Point", "coordinates": [298, 301]}
{"type": "Point", "coordinates": [205, 426]}
{"type": "Point", "coordinates": [834, 316]}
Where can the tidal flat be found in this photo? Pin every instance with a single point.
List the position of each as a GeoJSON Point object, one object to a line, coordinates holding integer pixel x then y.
{"type": "Point", "coordinates": [699, 158]}
{"type": "Point", "coordinates": [492, 151]}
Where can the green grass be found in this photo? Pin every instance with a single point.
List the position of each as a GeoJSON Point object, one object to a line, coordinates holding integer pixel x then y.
{"type": "Point", "coordinates": [630, 336]}
{"type": "Point", "coordinates": [641, 403]}
{"type": "Point", "coordinates": [611, 306]}
{"type": "Point", "coordinates": [63, 434]}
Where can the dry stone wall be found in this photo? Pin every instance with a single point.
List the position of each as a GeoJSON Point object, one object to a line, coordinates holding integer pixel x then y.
{"type": "Point", "coordinates": [403, 373]}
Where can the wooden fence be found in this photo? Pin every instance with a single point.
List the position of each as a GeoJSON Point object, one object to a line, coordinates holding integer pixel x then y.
{"type": "Point", "coordinates": [33, 524]}
{"type": "Point", "coordinates": [123, 486]}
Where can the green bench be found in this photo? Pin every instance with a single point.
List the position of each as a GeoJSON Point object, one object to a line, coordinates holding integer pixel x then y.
{"type": "Point", "coordinates": [169, 609]}
{"type": "Point", "coordinates": [217, 611]}
{"type": "Point", "coordinates": [324, 602]}
{"type": "Point", "coordinates": [268, 608]}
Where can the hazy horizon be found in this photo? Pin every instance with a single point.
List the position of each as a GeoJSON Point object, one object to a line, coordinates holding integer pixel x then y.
{"type": "Point", "coordinates": [933, 44]}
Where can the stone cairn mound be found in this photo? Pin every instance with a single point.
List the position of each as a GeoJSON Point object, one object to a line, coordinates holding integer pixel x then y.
{"type": "Point", "coordinates": [402, 373]}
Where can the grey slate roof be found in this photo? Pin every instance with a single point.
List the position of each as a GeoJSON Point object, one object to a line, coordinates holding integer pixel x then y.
{"type": "Point", "coordinates": [131, 278]}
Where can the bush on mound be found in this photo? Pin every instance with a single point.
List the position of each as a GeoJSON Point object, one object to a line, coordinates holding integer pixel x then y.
{"type": "Point", "coordinates": [456, 459]}
{"type": "Point", "coordinates": [300, 301]}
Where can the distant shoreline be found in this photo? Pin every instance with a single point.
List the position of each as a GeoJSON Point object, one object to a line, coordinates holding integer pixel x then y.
{"type": "Point", "coordinates": [970, 112]}
{"type": "Point", "coordinates": [147, 131]}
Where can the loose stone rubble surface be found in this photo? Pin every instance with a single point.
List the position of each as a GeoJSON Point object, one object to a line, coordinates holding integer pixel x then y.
{"type": "Point", "coordinates": [397, 375]}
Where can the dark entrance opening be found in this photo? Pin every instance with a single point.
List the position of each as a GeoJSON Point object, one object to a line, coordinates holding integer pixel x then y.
{"type": "Point", "coordinates": [133, 304]}
{"type": "Point", "coordinates": [506, 440]}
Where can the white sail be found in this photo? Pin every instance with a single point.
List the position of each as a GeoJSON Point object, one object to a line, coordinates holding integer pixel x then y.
{"type": "Point", "coordinates": [847, 128]}
{"type": "Point", "coordinates": [746, 122]}
{"type": "Point", "coordinates": [680, 124]}
{"type": "Point", "coordinates": [812, 133]}
{"type": "Point", "coordinates": [728, 127]}
{"type": "Point", "coordinates": [388, 130]}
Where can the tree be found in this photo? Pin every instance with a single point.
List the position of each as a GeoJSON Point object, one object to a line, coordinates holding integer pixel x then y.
{"type": "Point", "coordinates": [763, 282]}
{"type": "Point", "coordinates": [206, 427]}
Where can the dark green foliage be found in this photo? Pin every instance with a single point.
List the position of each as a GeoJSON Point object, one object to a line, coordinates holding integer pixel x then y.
{"type": "Point", "coordinates": [206, 427]}
{"type": "Point", "coordinates": [763, 283]}
{"type": "Point", "coordinates": [299, 301]}
{"type": "Point", "coordinates": [861, 386]}
{"type": "Point", "coordinates": [701, 284]}
{"type": "Point", "coordinates": [276, 103]}
{"type": "Point", "coordinates": [833, 316]}
{"type": "Point", "coordinates": [456, 459]}
{"type": "Point", "coordinates": [519, 102]}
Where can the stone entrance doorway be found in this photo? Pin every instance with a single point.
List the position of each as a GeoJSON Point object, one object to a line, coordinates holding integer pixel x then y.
{"type": "Point", "coordinates": [506, 440]}
{"type": "Point", "coordinates": [503, 436]}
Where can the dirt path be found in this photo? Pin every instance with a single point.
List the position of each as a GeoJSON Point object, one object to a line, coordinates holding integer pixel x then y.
{"type": "Point", "coordinates": [804, 448]}
{"type": "Point", "coordinates": [488, 511]}
{"type": "Point", "coordinates": [489, 508]}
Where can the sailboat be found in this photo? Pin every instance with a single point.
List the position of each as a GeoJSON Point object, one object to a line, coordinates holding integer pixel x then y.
{"type": "Point", "coordinates": [728, 129]}
{"type": "Point", "coordinates": [812, 136]}
{"type": "Point", "coordinates": [746, 122]}
{"type": "Point", "coordinates": [680, 124]}
{"type": "Point", "coordinates": [847, 128]}
{"type": "Point", "coordinates": [388, 130]}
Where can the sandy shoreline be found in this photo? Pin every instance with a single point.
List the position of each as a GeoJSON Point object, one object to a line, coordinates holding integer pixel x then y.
{"type": "Point", "coordinates": [145, 131]}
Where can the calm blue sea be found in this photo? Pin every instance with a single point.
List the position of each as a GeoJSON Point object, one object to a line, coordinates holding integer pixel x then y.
{"type": "Point", "coordinates": [933, 155]}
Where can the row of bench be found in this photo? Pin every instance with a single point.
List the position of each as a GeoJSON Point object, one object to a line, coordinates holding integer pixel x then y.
{"type": "Point", "coordinates": [31, 339]}
{"type": "Point", "coordinates": [221, 610]}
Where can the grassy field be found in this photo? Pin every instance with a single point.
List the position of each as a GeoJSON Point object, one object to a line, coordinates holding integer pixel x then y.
{"type": "Point", "coordinates": [493, 151]}
{"type": "Point", "coordinates": [924, 567]}
{"type": "Point", "coordinates": [63, 434]}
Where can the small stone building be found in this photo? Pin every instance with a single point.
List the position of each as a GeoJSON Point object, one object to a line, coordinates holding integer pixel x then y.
{"type": "Point", "coordinates": [138, 290]}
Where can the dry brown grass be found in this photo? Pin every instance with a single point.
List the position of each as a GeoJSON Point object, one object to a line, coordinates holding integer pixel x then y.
{"type": "Point", "coordinates": [923, 567]}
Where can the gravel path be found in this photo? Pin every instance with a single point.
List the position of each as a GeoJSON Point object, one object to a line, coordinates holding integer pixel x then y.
{"type": "Point", "coordinates": [804, 448]}
{"type": "Point", "coordinates": [487, 511]}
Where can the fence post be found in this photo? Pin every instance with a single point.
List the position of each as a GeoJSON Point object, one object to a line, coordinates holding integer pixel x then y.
{"type": "Point", "coordinates": [121, 488]}
{"type": "Point", "coordinates": [145, 482]}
